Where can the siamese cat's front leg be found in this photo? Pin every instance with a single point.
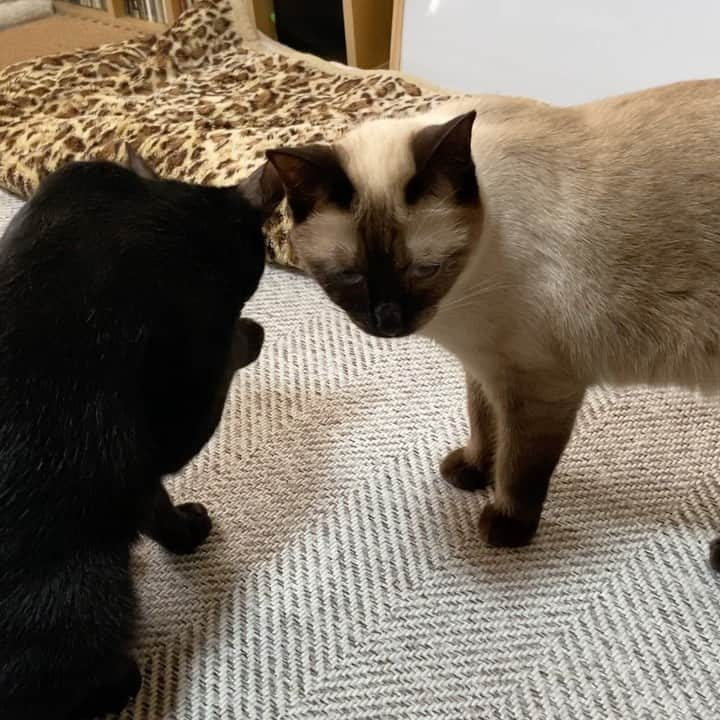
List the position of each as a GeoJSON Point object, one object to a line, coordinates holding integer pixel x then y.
{"type": "Point", "coordinates": [470, 467]}
{"type": "Point", "coordinates": [534, 423]}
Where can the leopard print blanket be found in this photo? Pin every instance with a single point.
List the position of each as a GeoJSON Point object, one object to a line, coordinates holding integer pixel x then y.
{"type": "Point", "coordinates": [202, 102]}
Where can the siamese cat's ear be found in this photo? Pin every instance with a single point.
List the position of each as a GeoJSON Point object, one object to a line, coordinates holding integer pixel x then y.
{"type": "Point", "coordinates": [443, 152]}
{"type": "Point", "coordinates": [263, 189]}
{"type": "Point", "coordinates": [312, 177]}
{"type": "Point", "coordinates": [135, 162]}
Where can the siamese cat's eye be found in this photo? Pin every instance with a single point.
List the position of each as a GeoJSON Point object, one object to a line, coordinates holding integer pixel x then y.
{"type": "Point", "coordinates": [424, 272]}
{"type": "Point", "coordinates": [350, 278]}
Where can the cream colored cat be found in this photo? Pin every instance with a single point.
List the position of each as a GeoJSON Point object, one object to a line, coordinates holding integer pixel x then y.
{"type": "Point", "coordinates": [548, 248]}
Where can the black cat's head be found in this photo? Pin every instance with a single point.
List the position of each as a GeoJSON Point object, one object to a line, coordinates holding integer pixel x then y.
{"type": "Point", "coordinates": [236, 213]}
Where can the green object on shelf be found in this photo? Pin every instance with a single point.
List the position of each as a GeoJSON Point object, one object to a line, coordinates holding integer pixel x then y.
{"type": "Point", "coordinates": [272, 18]}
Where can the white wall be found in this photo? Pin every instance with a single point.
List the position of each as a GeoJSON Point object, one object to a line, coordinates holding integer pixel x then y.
{"type": "Point", "coordinates": [559, 50]}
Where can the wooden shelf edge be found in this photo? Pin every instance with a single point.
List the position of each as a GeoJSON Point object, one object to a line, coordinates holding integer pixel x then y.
{"type": "Point", "coordinates": [368, 30]}
{"type": "Point", "coordinates": [261, 10]}
{"type": "Point", "coordinates": [396, 34]}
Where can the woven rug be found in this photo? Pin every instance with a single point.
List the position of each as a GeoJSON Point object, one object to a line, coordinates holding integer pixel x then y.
{"type": "Point", "coordinates": [344, 579]}
{"type": "Point", "coordinates": [202, 102]}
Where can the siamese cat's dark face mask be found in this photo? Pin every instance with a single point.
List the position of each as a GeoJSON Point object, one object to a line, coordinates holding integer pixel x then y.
{"type": "Point", "coordinates": [385, 241]}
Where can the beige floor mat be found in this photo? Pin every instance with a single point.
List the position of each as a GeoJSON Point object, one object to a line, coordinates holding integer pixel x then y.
{"type": "Point", "coordinates": [343, 580]}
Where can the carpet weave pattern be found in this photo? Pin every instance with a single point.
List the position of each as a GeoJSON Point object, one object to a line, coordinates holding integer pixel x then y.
{"type": "Point", "coordinates": [343, 579]}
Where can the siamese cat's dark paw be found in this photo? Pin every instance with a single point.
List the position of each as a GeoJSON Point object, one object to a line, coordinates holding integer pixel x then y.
{"type": "Point", "coordinates": [456, 470]}
{"type": "Point", "coordinates": [501, 530]}
{"type": "Point", "coordinates": [192, 529]}
{"type": "Point", "coordinates": [715, 554]}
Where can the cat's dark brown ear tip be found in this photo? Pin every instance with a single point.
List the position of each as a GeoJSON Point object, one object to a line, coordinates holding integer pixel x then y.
{"type": "Point", "coordinates": [293, 163]}
{"type": "Point", "coordinates": [135, 162]}
{"type": "Point", "coordinates": [288, 166]}
{"type": "Point", "coordinates": [282, 158]}
{"type": "Point", "coordinates": [263, 189]}
{"type": "Point", "coordinates": [466, 120]}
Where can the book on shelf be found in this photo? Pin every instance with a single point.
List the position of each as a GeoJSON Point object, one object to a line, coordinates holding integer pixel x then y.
{"type": "Point", "coordinates": [153, 10]}
{"type": "Point", "coordinates": [96, 4]}
{"type": "Point", "coordinates": [147, 10]}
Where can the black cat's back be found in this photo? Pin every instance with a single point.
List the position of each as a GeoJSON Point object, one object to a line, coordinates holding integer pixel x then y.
{"type": "Point", "coordinates": [119, 303]}
{"type": "Point", "coordinates": [76, 307]}
{"type": "Point", "coordinates": [104, 277]}
{"type": "Point", "coordinates": [71, 427]}
{"type": "Point", "coordinates": [63, 338]}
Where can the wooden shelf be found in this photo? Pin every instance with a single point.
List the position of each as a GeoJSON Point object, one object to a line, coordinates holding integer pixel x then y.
{"type": "Point", "coordinates": [367, 24]}
{"type": "Point", "coordinates": [262, 11]}
{"type": "Point", "coordinates": [367, 32]}
{"type": "Point", "coordinates": [116, 12]}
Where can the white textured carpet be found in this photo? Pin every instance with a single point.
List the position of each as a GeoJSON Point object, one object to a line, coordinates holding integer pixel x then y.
{"type": "Point", "coordinates": [344, 580]}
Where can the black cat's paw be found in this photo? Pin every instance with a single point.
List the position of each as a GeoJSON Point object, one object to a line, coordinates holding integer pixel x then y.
{"type": "Point", "coordinates": [456, 470]}
{"type": "Point", "coordinates": [501, 530]}
{"type": "Point", "coordinates": [111, 697]}
{"type": "Point", "coordinates": [247, 342]}
{"type": "Point", "coordinates": [715, 554]}
{"type": "Point", "coordinates": [192, 529]}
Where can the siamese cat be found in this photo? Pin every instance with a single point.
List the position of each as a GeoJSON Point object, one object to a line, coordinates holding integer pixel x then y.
{"type": "Point", "coordinates": [548, 248]}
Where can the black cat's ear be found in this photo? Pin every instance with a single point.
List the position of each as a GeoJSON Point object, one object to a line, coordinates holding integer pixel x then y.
{"type": "Point", "coordinates": [263, 189]}
{"type": "Point", "coordinates": [135, 162]}
{"type": "Point", "coordinates": [312, 177]}
{"type": "Point", "coordinates": [444, 152]}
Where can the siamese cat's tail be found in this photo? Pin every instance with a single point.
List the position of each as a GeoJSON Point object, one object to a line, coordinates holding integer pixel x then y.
{"type": "Point", "coordinates": [715, 554]}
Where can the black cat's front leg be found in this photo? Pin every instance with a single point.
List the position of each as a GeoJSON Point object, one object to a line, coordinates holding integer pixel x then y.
{"type": "Point", "coordinates": [469, 467]}
{"type": "Point", "coordinates": [533, 430]}
{"type": "Point", "coordinates": [118, 682]}
{"type": "Point", "coordinates": [178, 528]}
{"type": "Point", "coordinates": [245, 345]}
{"type": "Point", "coordinates": [185, 422]}
{"type": "Point", "coordinates": [247, 341]}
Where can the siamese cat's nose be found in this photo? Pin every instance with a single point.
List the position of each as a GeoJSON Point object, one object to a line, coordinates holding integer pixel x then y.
{"type": "Point", "coordinates": [388, 317]}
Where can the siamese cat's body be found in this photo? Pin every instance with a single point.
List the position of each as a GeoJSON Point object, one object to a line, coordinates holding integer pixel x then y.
{"type": "Point", "coordinates": [548, 248]}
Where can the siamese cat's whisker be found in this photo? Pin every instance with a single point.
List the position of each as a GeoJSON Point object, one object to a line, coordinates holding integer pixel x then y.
{"type": "Point", "coordinates": [444, 204]}
{"type": "Point", "coordinates": [471, 304]}
{"type": "Point", "coordinates": [468, 298]}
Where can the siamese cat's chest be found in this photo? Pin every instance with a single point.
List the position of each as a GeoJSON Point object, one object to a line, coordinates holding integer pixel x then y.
{"type": "Point", "coordinates": [455, 334]}
{"type": "Point", "coordinates": [477, 336]}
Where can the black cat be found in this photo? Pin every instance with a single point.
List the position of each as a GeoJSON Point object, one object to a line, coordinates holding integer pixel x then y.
{"type": "Point", "coordinates": [120, 296]}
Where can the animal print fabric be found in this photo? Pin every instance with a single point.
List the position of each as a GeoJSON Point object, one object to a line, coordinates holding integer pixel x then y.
{"type": "Point", "coordinates": [202, 102]}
